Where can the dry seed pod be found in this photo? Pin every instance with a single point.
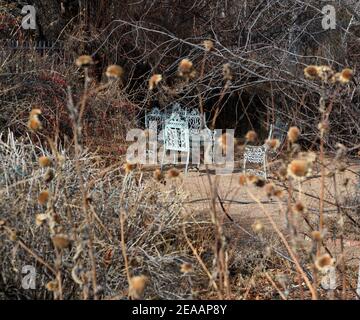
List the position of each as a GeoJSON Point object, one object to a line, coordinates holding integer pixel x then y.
{"type": "Point", "coordinates": [186, 268]}
{"type": "Point", "coordinates": [137, 287]}
{"type": "Point", "coordinates": [61, 241]}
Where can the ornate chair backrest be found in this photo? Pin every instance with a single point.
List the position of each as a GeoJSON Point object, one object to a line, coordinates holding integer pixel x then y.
{"type": "Point", "coordinates": [154, 115]}
{"type": "Point", "coordinates": [176, 133]}
{"type": "Point", "coordinates": [280, 130]}
{"type": "Point", "coordinates": [255, 154]}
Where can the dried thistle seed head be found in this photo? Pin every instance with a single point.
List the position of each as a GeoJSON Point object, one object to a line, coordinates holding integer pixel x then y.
{"type": "Point", "coordinates": [316, 236]}
{"type": "Point", "coordinates": [345, 76]}
{"type": "Point", "coordinates": [44, 162]}
{"type": "Point", "coordinates": [257, 226]}
{"type": "Point", "coordinates": [186, 268]}
{"type": "Point", "coordinates": [61, 241]}
{"type": "Point", "coordinates": [35, 112]}
{"type": "Point", "coordinates": [173, 173]}
{"type": "Point", "coordinates": [282, 172]}
{"type": "Point", "coordinates": [293, 134]}
{"type": "Point", "coordinates": [114, 71]}
{"type": "Point", "coordinates": [226, 71]}
{"type": "Point", "coordinates": [185, 68]}
{"type": "Point", "coordinates": [52, 285]}
{"type": "Point", "coordinates": [299, 207]}
{"type": "Point", "coordinates": [34, 123]}
{"type": "Point", "coordinates": [299, 168]}
{"type": "Point", "coordinates": [40, 218]}
{"type": "Point", "coordinates": [251, 136]}
{"type": "Point", "coordinates": [158, 175]}
{"type": "Point", "coordinates": [43, 197]}
{"type": "Point", "coordinates": [208, 45]}
{"type": "Point", "coordinates": [154, 81]}
{"type": "Point", "coordinates": [311, 72]}
{"type": "Point", "coordinates": [273, 144]}
{"type": "Point", "coordinates": [137, 286]}
{"type": "Point", "coordinates": [324, 261]}
{"type": "Point", "coordinates": [128, 167]}
{"type": "Point", "coordinates": [270, 189]}
{"type": "Point", "coordinates": [242, 179]}
{"type": "Point", "coordinates": [84, 61]}
{"type": "Point", "coordinates": [325, 73]}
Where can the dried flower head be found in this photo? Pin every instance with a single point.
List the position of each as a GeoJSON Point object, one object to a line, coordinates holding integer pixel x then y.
{"type": "Point", "coordinates": [251, 136]}
{"type": "Point", "coordinates": [293, 134]}
{"type": "Point", "coordinates": [186, 268]}
{"type": "Point", "coordinates": [345, 76]}
{"type": "Point", "coordinates": [61, 241]}
{"type": "Point", "coordinates": [273, 144]}
{"type": "Point", "coordinates": [257, 226]}
{"type": "Point", "coordinates": [84, 61]}
{"type": "Point", "coordinates": [35, 112]}
{"type": "Point", "coordinates": [325, 73]}
{"type": "Point", "coordinates": [270, 189]}
{"type": "Point", "coordinates": [324, 261]}
{"type": "Point", "coordinates": [316, 236]}
{"type": "Point", "coordinates": [34, 124]}
{"type": "Point", "coordinates": [299, 168]}
{"type": "Point", "coordinates": [137, 287]}
{"type": "Point", "coordinates": [208, 44]}
{"type": "Point", "coordinates": [158, 175]}
{"type": "Point", "coordinates": [52, 285]}
{"type": "Point", "coordinates": [40, 218]}
{"type": "Point", "coordinates": [173, 173]}
{"type": "Point", "coordinates": [226, 71]}
{"type": "Point", "coordinates": [311, 72]}
{"type": "Point", "coordinates": [299, 207]}
{"type": "Point", "coordinates": [44, 162]}
{"type": "Point", "coordinates": [128, 167]}
{"type": "Point", "coordinates": [154, 81]}
{"type": "Point", "coordinates": [185, 68]}
{"type": "Point", "coordinates": [114, 71]}
{"type": "Point", "coordinates": [243, 179]}
{"type": "Point", "coordinates": [43, 197]}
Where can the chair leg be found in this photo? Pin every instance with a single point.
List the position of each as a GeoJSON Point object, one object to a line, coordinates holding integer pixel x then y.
{"type": "Point", "coordinates": [163, 157]}
{"type": "Point", "coordinates": [265, 169]}
{"type": "Point", "coordinates": [187, 162]}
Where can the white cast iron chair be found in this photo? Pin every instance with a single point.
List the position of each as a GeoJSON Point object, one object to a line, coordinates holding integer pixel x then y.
{"type": "Point", "coordinates": [176, 138]}
{"type": "Point", "coordinates": [257, 155]}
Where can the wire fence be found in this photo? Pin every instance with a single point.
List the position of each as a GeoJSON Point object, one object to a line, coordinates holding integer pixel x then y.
{"type": "Point", "coordinates": [18, 56]}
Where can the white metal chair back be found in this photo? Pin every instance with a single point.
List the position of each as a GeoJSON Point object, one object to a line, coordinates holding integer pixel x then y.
{"type": "Point", "coordinates": [176, 136]}
{"type": "Point", "coordinates": [154, 120]}
{"type": "Point", "coordinates": [257, 155]}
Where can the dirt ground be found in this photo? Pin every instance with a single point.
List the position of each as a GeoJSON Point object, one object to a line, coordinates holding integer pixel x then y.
{"type": "Point", "coordinates": [239, 203]}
